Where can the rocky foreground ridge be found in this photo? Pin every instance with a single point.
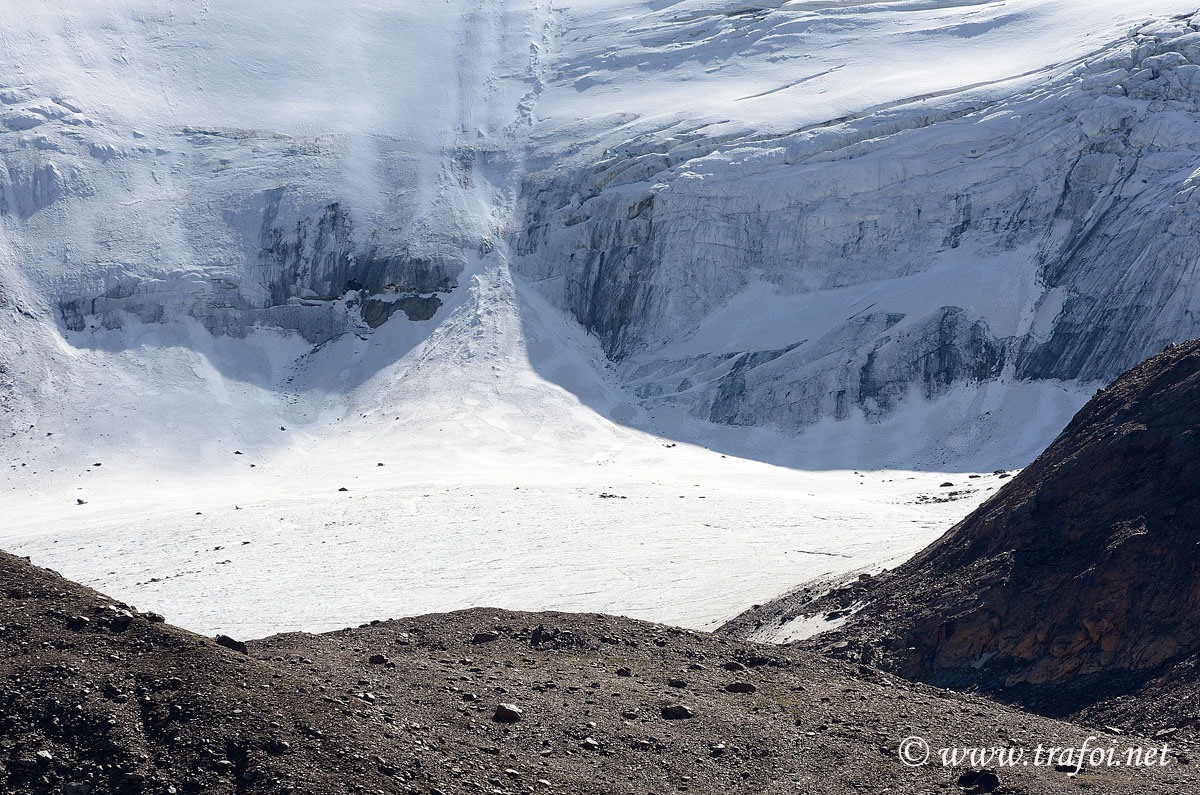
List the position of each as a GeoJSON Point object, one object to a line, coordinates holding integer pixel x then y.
{"type": "Point", "coordinates": [96, 697]}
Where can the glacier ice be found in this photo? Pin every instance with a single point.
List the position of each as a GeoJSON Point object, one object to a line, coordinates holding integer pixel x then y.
{"type": "Point", "coordinates": [1039, 231]}
{"type": "Point", "coordinates": [767, 214]}
{"type": "Point", "coordinates": [524, 252]}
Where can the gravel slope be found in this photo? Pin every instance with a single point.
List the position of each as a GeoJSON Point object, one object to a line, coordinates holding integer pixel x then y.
{"type": "Point", "coordinates": [122, 703]}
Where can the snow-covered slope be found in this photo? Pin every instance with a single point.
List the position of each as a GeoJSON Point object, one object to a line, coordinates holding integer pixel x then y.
{"type": "Point", "coordinates": [358, 485]}
{"type": "Point", "coordinates": [229, 161]}
{"type": "Point", "coordinates": [248, 255]}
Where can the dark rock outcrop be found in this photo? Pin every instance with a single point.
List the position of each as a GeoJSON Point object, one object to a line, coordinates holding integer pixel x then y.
{"type": "Point", "coordinates": [376, 312]}
{"type": "Point", "coordinates": [1080, 579]}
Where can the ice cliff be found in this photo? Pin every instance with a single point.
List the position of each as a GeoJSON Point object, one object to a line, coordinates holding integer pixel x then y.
{"type": "Point", "coordinates": [1032, 229]}
{"type": "Point", "coordinates": [767, 214]}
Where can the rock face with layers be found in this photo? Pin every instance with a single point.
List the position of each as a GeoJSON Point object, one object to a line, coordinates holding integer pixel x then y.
{"type": "Point", "coordinates": [1078, 580]}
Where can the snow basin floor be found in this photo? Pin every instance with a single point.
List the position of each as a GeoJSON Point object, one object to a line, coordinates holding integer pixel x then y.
{"type": "Point", "coordinates": [689, 543]}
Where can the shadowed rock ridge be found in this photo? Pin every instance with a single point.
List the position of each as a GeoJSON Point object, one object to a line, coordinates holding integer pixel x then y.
{"type": "Point", "coordinates": [98, 698]}
{"type": "Point", "coordinates": [1077, 581]}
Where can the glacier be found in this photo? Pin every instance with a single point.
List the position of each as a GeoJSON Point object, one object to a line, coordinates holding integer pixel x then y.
{"type": "Point", "coordinates": [249, 254]}
{"type": "Point", "coordinates": [1036, 227]}
{"type": "Point", "coordinates": [767, 214]}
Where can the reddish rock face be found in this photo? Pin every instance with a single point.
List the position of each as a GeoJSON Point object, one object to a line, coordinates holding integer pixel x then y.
{"type": "Point", "coordinates": [1087, 564]}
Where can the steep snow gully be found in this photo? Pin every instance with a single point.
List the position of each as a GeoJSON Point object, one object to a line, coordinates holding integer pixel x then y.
{"type": "Point", "coordinates": [249, 257]}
